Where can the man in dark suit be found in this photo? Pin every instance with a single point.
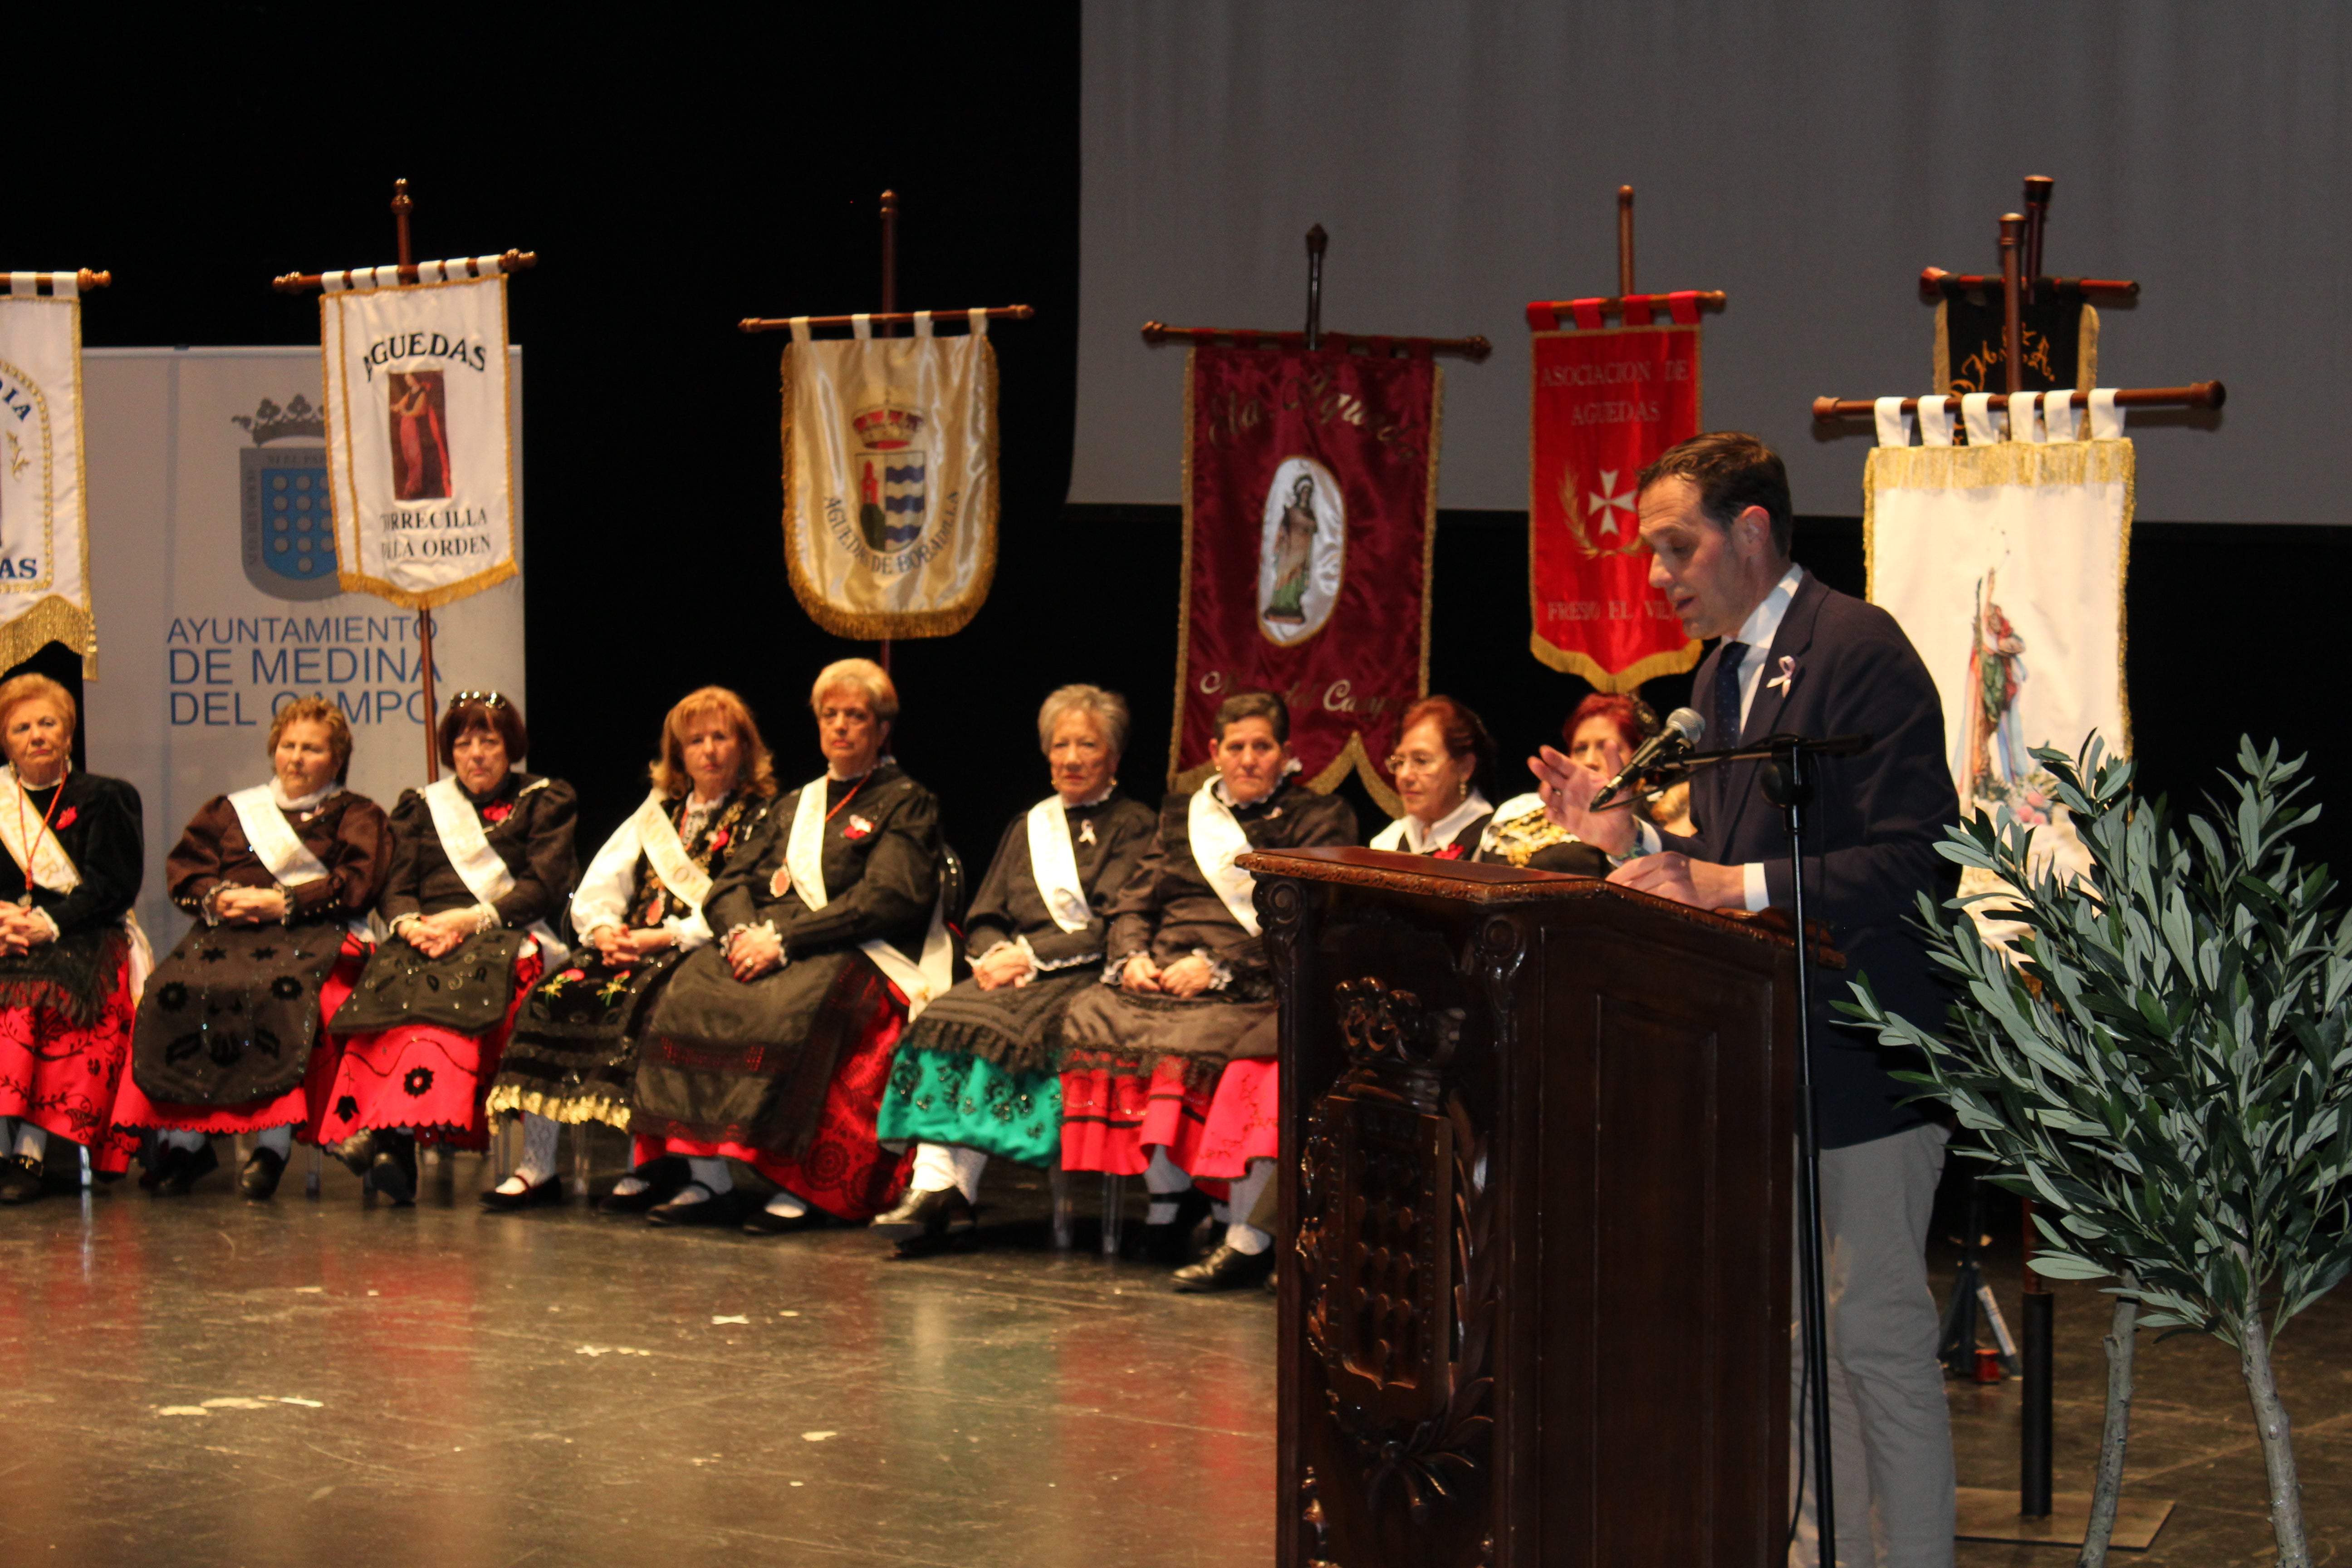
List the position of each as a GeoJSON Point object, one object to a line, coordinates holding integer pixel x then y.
{"type": "Point", "coordinates": [1800, 657]}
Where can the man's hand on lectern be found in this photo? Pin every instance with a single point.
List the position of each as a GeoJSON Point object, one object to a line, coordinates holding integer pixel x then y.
{"type": "Point", "coordinates": [1566, 788]}
{"type": "Point", "coordinates": [1700, 883]}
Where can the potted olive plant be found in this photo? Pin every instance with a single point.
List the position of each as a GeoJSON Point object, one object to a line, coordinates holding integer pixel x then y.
{"type": "Point", "coordinates": [2162, 1060]}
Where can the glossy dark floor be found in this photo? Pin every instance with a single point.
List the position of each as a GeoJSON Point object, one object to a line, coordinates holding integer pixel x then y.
{"type": "Point", "coordinates": [208, 1382]}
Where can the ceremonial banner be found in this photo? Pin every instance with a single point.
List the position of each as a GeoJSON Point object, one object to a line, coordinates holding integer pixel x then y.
{"type": "Point", "coordinates": [2058, 337]}
{"type": "Point", "coordinates": [44, 554]}
{"type": "Point", "coordinates": [1607, 403]}
{"type": "Point", "coordinates": [890, 478]}
{"type": "Point", "coordinates": [2004, 563]}
{"type": "Point", "coordinates": [419, 465]}
{"type": "Point", "coordinates": [1309, 502]}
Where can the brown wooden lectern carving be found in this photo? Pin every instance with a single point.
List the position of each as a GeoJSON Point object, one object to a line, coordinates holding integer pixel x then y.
{"type": "Point", "coordinates": [1536, 1153]}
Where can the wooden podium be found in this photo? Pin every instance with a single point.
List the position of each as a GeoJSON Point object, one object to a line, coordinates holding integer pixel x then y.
{"type": "Point", "coordinates": [1538, 1148]}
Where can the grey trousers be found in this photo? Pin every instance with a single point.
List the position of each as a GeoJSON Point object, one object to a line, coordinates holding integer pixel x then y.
{"type": "Point", "coordinates": [1890, 1431]}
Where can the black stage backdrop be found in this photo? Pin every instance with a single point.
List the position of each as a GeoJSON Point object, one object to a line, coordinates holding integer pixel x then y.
{"type": "Point", "coordinates": [673, 185]}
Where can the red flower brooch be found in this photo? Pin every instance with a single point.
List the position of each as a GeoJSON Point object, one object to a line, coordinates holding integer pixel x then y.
{"type": "Point", "coordinates": [718, 841]}
{"type": "Point", "coordinates": [858, 828]}
{"type": "Point", "coordinates": [497, 811]}
{"type": "Point", "coordinates": [67, 819]}
{"type": "Point", "coordinates": [1451, 852]}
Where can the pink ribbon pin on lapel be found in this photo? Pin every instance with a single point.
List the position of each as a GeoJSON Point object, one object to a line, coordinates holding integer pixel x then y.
{"type": "Point", "coordinates": [1786, 677]}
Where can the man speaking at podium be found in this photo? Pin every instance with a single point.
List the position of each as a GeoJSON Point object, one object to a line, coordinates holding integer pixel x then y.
{"type": "Point", "coordinates": [1800, 657]}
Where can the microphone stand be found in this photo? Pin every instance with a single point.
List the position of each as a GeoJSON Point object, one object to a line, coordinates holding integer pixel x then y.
{"type": "Point", "coordinates": [1787, 781]}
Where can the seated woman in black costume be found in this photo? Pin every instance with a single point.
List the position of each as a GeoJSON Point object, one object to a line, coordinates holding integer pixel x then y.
{"type": "Point", "coordinates": [230, 1036]}
{"type": "Point", "coordinates": [1443, 753]}
{"type": "Point", "coordinates": [1169, 1065]}
{"type": "Point", "coordinates": [773, 1045]}
{"type": "Point", "coordinates": [71, 958]}
{"type": "Point", "coordinates": [481, 861]}
{"type": "Point", "coordinates": [976, 1077]}
{"type": "Point", "coordinates": [1603, 733]}
{"type": "Point", "coordinates": [638, 910]}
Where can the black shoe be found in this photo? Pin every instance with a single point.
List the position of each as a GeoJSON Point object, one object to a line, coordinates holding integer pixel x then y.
{"type": "Point", "coordinates": [1224, 1269]}
{"type": "Point", "coordinates": [549, 1191]}
{"type": "Point", "coordinates": [259, 1179]}
{"type": "Point", "coordinates": [393, 1171]}
{"type": "Point", "coordinates": [937, 1221]}
{"type": "Point", "coordinates": [763, 1223]}
{"type": "Point", "coordinates": [1172, 1243]}
{"type": "Point", "coordinates": [663, 1178]}
{"type": "Point", "coordinates": [183, 1168]}
{"type": "Point", "coordinates": [357, 1152]}
{"type": "Point", "coordinates": [20, 1180]}
{"type": "Point", "coordinates": [712, 1208]}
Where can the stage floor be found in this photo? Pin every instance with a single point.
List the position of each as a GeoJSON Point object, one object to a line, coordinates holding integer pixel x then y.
{"type": "Point", "coordinates": [383, 1386]}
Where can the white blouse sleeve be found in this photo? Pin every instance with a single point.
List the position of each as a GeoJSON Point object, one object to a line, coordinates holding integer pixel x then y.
{"type": "Point", "coordinates": [602, 898]}
{"type": "Point", "coordinates": [689, 931]}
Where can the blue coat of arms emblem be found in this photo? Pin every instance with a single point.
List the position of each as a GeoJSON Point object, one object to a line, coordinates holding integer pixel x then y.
{"type": "Point", "coordinates": [287, 541]}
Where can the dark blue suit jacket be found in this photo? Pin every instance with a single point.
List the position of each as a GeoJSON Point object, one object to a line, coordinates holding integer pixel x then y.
{"type": "Point", "coordinates": [1870, 835]}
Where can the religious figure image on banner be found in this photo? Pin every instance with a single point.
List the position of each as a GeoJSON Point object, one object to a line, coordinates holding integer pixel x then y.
{"type": "Point", "coordinates": [1304, 553]}
{"type": "Point", "coordinates": [420, 434]}
{"type": "Point", "coordinates": [2004, 563]}
{"type": "Point", "coordinates": [1310, 495]}
{"type": "Point", "coordinates": [1607, 402]}
{"type": "Point", "coordinates": [43, 555]}
{"type": "Point", "coordinates": [420, 467]}
{"type": "Point", "coordinates": [890, 478]}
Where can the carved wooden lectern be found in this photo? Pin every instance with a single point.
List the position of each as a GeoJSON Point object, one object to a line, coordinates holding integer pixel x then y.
{"type": "Point", "coordinates": [1536, 1156]}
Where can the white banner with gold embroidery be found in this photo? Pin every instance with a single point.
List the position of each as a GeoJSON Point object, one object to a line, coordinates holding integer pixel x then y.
{"type": "Point", "coordinates": [890, 478]}
{"type": "Point", "coordinates": [2004, 562]}
{"type": "Point", "coordinates": [43, 552]}
{"type": "Point", "coordinates": [417, 454]}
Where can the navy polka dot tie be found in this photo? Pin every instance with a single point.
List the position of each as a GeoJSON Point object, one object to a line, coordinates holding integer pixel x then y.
{"type": "Point", "coordinates": [1729, 658]}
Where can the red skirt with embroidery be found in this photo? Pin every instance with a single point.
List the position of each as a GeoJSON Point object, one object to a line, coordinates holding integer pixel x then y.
{"type": "Point", "coordinates": [65, 1078]}
{"type": "Point", "coordinates": [844, 1170]}
{"type": "Point", "coordinates": [303, 1107]}
{"type": "Point", "coordinates": [423, 1076]}
{"type": "Point", "coordinates": [1112, 1120]}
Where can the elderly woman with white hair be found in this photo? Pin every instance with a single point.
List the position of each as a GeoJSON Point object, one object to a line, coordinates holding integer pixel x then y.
{"type": "Point", "coordinates": [977, 1076]}
{"type": "Point", "coordinates": [773, 1045]}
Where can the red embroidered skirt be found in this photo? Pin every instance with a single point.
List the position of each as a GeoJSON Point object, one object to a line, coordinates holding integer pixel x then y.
{"type": "Point", "coordinates": [423, 1076]}
{"type": "Point", "coordinates": [65, 1078]}
{"type": "Point", "coordinates": [1111, 1119]}
{"type": "Point", "coordinates": [844, 1170]}
{"type": "Point", "coordinates": [303, 1107]}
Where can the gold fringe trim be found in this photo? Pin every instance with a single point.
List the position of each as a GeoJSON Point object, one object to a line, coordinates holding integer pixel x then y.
{"type": "Point", "coordinates": [572, 1112]}
{"type": "Point", "coordinates": [1176, 771]}
{"type": "Point", "coordinates": [1567, 661]}
{"type": "Point", "coordinates": [51, 619]}
{"type": "Point", "coordinates": [432, 598]}
{"type": "Point", "coordinates": [1353, 755]}
{"type": "Point", "coordinates": [860, 626]}
{"type": "Point", "coordinates": [1428, 542]}
{"type": "Point", "coordinates": [2015, 463]}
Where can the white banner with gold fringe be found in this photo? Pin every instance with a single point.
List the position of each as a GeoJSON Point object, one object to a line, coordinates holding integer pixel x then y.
{"type": "Point", "coordinates": [890, 478]}
{"type": "Point", "coordinates": [44, 546]}
{"type": "Point", "coordinates": [418, 458]}
{"type": "Point", "coordinates": [2004, 562]}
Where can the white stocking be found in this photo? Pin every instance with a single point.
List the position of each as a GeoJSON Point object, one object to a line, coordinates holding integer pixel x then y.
{"type": "Point", "coordinates": [1163, 1179]}
{"type": "Point", "coordinates": [1239, 1236]}
{"type": "Point", "coordinates": [279, 1141]}
{"type": "Point", "coordinates": [175, 1138]}
{"type": "Point", "coordinates": [711, 1173]}
{"type": "Point", "coordinates": [938, 1166]}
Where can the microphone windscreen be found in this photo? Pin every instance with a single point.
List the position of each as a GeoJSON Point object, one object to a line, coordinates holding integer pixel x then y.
{"type": "Point", "coordinates": [1689, 722]}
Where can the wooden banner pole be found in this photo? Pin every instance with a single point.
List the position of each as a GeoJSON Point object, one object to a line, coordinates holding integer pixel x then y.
{"type": "Point", "coordinates": [1317, 240]}
{"type": "Point", "coordinates": [1625, 240]}
{"type": "Point", "coordinates": [402, 205]}
{"type": "Point", "coordinates": [889, 307]}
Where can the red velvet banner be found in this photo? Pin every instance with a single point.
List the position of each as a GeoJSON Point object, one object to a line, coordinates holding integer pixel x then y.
{"type": "Point", "coordinates": [1606, 403]}
{"type": "Point", "coordinates": [1311, 484]}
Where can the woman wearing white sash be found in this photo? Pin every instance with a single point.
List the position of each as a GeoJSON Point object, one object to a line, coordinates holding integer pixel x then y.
{"type": "Point", "coordinates": [1443, 753]}
{"type": "Point", "coordinates": [638, 910]}
{"type": "Point", "coordinates": [67, 948]}
{"type": "Point", "coordinates": [773, 1045]}
{"type": "Point", "coordinates": [231, 1035]}
{"type": "Point", "coordinates": [1168, 1064]}
{"type": "Point", "coordinates": [977, 1076]}
{"type": "Point", "coordinates": [481, 861]}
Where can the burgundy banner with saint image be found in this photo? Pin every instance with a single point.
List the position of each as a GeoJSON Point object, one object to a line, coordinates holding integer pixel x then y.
{"type": "Point", "coordinates": [1311, 489]}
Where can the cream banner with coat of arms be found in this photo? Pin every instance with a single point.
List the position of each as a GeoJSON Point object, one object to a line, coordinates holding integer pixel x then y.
{"type": "Point", "coordinates": [419, 463]}
{"type": "Point", "coordinates": [2004, 560]}
{"type": "Point", "coordinates": [44, 551]}
{"type": "Point", "coordinates": [890, 478]}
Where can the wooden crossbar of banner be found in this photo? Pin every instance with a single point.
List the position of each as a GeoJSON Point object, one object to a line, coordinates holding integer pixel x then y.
{"type": "Point", "coordinates": [84, 280]}
{"type": "Point", "coordinates": [883, 319]}
{"type": "Point", "coordinates": [1473, 348]}
{"type": "Point", "coordinates": [301, 282]}
{"type": "Point", "coordinates": [2196, 394]}
{"type": "Point", "coordinates": [1935, 284]}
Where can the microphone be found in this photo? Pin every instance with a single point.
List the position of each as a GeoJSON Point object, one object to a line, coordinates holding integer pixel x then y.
{"type": "Point", "coordinates": [1685, 730]}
